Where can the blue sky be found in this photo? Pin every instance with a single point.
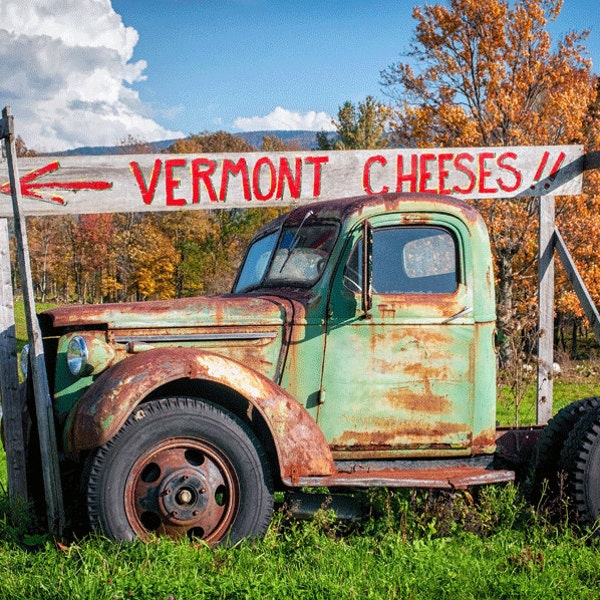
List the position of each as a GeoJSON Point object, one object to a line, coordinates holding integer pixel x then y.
{"type": "Point", "coordinates": [235, 59]}
{"type": "Point", "coordinates": [243, 58]}
{"type": "Point", "coordinates": [91, 72]}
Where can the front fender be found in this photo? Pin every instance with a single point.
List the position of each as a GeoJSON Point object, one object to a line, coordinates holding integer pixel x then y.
{"type": "Point", "coordinates": [301, 447]}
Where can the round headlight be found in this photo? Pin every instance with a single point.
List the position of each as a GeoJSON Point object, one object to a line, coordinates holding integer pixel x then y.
{"type": "Point", "coordinates": [24, 360]}
{"type": "Point", "coordinates": [77, 355]}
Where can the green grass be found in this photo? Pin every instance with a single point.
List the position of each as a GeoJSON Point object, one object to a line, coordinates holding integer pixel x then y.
{"type": "Point", "coordinates": [413, 546]}
{"type": "Point", "coordinates": [578, 380]}
{"type": "Point", "coordinates": [565, 392]}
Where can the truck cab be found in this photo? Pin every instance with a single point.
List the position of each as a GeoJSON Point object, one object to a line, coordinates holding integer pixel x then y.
{"type": "Point", "coordinates": [355, 350]}
{"type": "Point", "coordinates": [392, 347]}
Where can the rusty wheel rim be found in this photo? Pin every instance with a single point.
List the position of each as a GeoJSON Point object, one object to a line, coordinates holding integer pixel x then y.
{"type": "Point", "coordinates": [182, 487]}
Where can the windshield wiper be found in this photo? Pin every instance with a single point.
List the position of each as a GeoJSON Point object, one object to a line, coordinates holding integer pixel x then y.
{"type": "Point", "coordinates": [295, 240]}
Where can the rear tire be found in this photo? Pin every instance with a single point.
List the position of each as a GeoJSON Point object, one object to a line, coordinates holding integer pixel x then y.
{"type": "Point", "coordinates": [580, 460]}
{"type": "Point", "coordinates": [181, 467]}
{"type": "Point", "coordinates": [545, 460]}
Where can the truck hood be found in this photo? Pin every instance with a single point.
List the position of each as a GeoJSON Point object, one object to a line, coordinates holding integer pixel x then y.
{"type": "Point", "coordinates": [228, 310]}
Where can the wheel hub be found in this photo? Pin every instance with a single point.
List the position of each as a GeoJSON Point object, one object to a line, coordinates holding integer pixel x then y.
{"type": "Point", "coordinates": [183, 495]}
{"type": "Point", "coordinates": [182, 487]}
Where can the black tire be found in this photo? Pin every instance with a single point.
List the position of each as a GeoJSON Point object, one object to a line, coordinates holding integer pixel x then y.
{"type": "Point", "coordinates": [181, 467]}
{"type": "Point", "coordinates": [580, 460]}
{"type": "Point", "coordinates": [545, 460]}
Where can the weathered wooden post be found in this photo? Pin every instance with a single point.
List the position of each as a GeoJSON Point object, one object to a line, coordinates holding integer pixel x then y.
{"type": "Point", "coordinates": [9, 376]}
{"type": "Point", "coordinates": [44, 413]}
{"type": "Point", "coordinates": [545, 372]}
{"type": "Point", "coordinates": [9, 379]}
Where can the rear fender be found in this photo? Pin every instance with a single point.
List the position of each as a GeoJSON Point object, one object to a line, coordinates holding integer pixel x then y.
{"type": "Point", "coordinates": [301, 447]}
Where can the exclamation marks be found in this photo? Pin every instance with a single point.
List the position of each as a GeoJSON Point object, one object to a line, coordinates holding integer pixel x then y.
{"type": "Point", "coordinates": [553, 172]}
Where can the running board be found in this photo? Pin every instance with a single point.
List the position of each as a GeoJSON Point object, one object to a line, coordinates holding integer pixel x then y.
{"type": "Point", "coordinates": [446, 478]}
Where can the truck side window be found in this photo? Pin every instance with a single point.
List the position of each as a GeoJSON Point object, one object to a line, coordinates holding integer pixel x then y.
{"type": "Point", "coordinates": [408, 260]}
{"type": "Point", "coordinates": [353, 269]}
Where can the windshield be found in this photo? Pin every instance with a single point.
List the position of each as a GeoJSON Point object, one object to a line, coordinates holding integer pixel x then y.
{"type": "Point", "coordinates": [295, 257]}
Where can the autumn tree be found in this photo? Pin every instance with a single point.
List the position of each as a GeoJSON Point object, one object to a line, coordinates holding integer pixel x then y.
{"type": "Point", "coordinates": [136, 145]}
{"type": "Point", "coordinates": [273, 143]}
{"type": "Point", "coordinates": [487, 74]}
{"type": "Point", "coordinates": [154, 260]}
{"type": "Point", "coordinates": [188, 231]}
{"type": "Point", "coordinates": [91, 253]}
{"type": "Point", "coordinates": [358, 127]}
{"type": "Point", "coordinates": [21, 148]}
{"type": "Point", "coordinates": [219, 141]}
{"type": "Point", "coordinates": [579, 235]}
{"type": "Point", "coordinates": [50, 257]}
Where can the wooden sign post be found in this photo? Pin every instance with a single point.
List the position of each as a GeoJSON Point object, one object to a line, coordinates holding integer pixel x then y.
{"type": "Point", "coordinates": [43, 400]}
{"type": "Point", "coordinates": [9, 379]}
{"type": "Point", "coordinates": [545, 370]}
{"type": "Point", "coordinates": [9, 376]}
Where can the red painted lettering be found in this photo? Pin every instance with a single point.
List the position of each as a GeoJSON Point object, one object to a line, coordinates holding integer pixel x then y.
{"type": "Point", "coordinates": [484, 173]}
{"type": "Point", "coordinates": [556, 166]}
{"type": "Point", "coordinates": [317, 161]}
{"type": "Point", "coordinates": [424, 172]}
{"type": "Point", "coordinates": [367, 174]}
{"type": "Point", "coordinates": [258, 193]}
{"type": "Point", "coordinates": [171, 183]}
{"type": "Point", "coordinates": [508, 167]}
{"type": "Point", "coordinates": [202, 169]}
{"type": "Point", "coordinates": [443, 172]}
{"type": "Point", "coordinates": [235, 169]}
{"type": "Point", "coordinates": [411, 176]}
{"type": "Point", "coordinates": [462, 168]}
{"type": "Point", "coordinates": [293, 181]}
{"type": "Point", "coordinates": [146, 191]}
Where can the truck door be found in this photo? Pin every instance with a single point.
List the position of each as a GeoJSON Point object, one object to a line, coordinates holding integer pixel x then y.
{"type": "Point", "coordinates": [398, 380]}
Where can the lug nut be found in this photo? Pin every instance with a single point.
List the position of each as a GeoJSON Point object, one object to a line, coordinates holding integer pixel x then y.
{"type": "Point", "coordinates": [184, 496]}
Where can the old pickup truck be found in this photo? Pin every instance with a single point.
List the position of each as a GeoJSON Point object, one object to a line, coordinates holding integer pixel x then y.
{"type": "Point", "coordinates": [357, 349]}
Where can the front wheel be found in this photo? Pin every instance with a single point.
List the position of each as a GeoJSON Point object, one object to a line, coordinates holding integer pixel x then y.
{"type": "Point", "coordinates": [181, 467]}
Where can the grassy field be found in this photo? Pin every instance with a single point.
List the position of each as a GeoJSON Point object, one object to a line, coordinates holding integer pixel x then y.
{"type": "Point", "coordinates": [413, 546]}
{"type": "Point", "coordinates": [576, 380]}
{"type": "Point", "coordinates": [410, 546]}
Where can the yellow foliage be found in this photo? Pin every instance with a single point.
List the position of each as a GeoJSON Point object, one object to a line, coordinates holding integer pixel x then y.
{"type": "Point", "coordinates": [154, 261]}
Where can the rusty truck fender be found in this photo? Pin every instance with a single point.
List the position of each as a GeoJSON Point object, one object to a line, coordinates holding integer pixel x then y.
{"type": "Point", "coordinates": [301, 447]}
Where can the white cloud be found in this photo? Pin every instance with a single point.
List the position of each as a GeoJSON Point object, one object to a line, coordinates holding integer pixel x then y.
{"type": "Point", "coordinates": [282, 119]}
{"type": "Point", "coordinates": [66, 71]}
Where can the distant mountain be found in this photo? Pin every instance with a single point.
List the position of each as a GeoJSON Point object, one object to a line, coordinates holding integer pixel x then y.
{"type": "Point", "coordinates": [306, 140]}
{"type": "Point", "coordinates": [102, 150]}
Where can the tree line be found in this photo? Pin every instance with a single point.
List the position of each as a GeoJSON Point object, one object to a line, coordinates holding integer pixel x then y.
{"type": "Point", "coordinates": [474, 74]}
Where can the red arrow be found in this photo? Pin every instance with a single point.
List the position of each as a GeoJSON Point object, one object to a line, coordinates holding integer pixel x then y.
{"type": "Point", "coordinates": [30, 189]}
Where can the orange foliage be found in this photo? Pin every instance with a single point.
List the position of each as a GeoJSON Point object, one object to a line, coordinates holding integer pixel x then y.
{"type": "Point", "coordinates": [579, 220]}
{"type": "Point", "coordinates": [487, 74]}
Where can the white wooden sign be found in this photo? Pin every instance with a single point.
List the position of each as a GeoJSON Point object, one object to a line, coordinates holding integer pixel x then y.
{"type": "Point", "coordinates": [145, 182]}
